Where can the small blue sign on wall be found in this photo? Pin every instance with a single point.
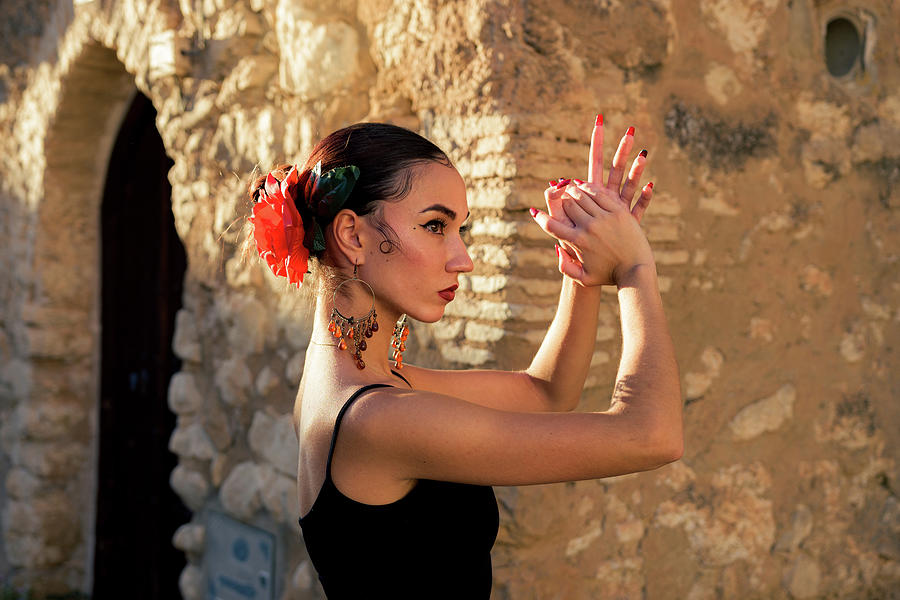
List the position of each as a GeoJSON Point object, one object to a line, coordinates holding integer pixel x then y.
{"type": "Point", "coordinates": [240, 560]}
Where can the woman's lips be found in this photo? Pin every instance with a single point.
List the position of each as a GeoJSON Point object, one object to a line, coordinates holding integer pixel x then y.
{"type": "Point", "coordinates": [449, 293]}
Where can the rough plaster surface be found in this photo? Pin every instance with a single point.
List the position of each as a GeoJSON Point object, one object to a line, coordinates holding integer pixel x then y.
{"type": "Point", "coordinates": [775, 227]}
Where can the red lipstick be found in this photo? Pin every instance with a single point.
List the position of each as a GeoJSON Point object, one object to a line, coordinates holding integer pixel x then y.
{"type": "Point", "coordinates": [449, 293]}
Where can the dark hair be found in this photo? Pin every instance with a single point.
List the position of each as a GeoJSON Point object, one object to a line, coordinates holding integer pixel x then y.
{"type": "Point", "coordinates": [385, 155]}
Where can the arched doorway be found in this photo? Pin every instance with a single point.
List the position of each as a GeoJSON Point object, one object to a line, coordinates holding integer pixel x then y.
{"type": "Point", "coordinates": [143, 264]}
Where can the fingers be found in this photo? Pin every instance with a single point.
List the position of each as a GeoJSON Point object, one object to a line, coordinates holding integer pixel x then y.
{"type": "Point", "coordinates": [634, 178]}
{"type": "Point", "coordinates": [583, 199]}
{"type": "Point", "coordinates": [567, 265]}
{"type": "Point", "coordinates": [553, 196]}
{"type": "Point", "coordinates": [553, 227]}
{"type": "Point", "coordinates": [643, 202]}
{"type": "Point", "coordinates": [595, 157]}
{"type": "Point", "coordinates": [617, 172]}
{"type": "Point", "coordinates": [602, 198]}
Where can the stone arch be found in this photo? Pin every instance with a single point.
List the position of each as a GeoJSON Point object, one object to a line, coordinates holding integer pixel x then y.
{"type": "Point", "coordinates": [58, 447]}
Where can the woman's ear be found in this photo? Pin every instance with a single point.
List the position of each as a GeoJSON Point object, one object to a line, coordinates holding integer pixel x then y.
{"type": "Point", "coordinates": [346, 228]}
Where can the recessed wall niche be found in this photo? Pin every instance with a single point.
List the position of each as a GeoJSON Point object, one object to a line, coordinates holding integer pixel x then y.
{"type": "Point", "coordinates": [843, 46]}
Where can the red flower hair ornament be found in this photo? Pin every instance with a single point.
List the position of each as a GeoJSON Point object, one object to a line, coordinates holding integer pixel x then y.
{"type": "Point", "coordinates": [284, 238]}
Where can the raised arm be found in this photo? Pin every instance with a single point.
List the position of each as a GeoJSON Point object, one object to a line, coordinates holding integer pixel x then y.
{"type": "Point", "coordinates": [555, 378]}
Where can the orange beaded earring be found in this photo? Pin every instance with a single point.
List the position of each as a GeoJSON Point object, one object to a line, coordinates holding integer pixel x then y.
{"type": "Point", "coordinates": [352, 330]}
{"type": "Point", "coordinates": [398, 341]}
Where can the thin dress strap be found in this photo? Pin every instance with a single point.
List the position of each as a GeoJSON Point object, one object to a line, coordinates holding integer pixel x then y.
{"type": "Point", "coordinates": [401, 377]}
{"type": "Point", "coordinates": [337, 421]}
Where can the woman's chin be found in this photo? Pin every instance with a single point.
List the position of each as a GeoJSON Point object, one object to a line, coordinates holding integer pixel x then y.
{"type": "Point", "coordinates": [431, 315]}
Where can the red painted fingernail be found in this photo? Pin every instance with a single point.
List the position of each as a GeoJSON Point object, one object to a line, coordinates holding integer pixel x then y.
{"type": "Point", "coordinates": [562, 183]}
{"type": "Point", "coordinates": [557, 250]}
{"type": "Point", "coordinates": [551, 183]}
{"type": "Point", "coordinates": [533, 211]}
{"type": "Point", "coordinates": [578, 181]}
{"type": "Point", "coordinates": [630, 131]}
{"type": "Point", "coordinates": [598, 122]}
{"type": "Point", "coordinates": [650, 185]}
{"type": "Point", "coordinates": [644, 153]}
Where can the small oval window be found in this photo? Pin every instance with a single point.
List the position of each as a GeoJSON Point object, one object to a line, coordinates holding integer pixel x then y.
{"type": "Point", "coordinates": [842, 46]}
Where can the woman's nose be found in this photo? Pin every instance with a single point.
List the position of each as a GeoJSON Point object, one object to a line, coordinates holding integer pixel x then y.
{"type": "Point", "coordinates": [460, 261]}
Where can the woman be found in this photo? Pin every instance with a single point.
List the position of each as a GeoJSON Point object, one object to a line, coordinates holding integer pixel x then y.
{"type": "Point", "coordinates": [396, 466]}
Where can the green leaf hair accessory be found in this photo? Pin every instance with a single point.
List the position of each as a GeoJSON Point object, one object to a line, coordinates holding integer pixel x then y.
{"type": "Point", "coordinates": [331, 189]}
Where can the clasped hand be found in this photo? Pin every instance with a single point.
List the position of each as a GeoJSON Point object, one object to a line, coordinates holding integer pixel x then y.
{"type": "Point", "coordinates": [599, 233]}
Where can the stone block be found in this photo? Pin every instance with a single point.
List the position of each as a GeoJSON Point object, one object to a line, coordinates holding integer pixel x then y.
{"type": "Point", "coordinates": [240, 272]}
{"type": "Point", "coordinates": [535, 257]}
{"type": "Point", "coordinates": [303, 577]}
{"type": "Point", "coordinates": [316, 59]}
{"type": "Point", "coordinates": [20, 484]}
{"type": "Point", "coordinates": [190, 485]}
{"type": "Point", "coordinates": [274, 440]}
{"type": "Point", "coordinates": [533, 312]}
{"type": "Point", "coordinates": [184, 397]}
{"type": "Point", "coordinates": [192, 442]}
{"type": "Point", "coordinates": [266, 381]}
{"type": "Point", "coordinates": [218, 426]}
{"type": "Point", "coordinates": [218, 468]}
{"type": "Point", "coordinates": [743, 24]}
{"type": "Point", "coordinates": [468, 307]}
{"type": "Point", "coordinates": [233, 381]}
{"type": "Point", "coordinates": [663, 232]}
{"type": "Point", "coordinates": [447, 329]}
{"type": "Point", "coordinates": [251, 72]}
{"type": "Point", "coordinates": [736, 523]}
{"type": "Point", "coordinates": [186, 341]}
{"type": "Point", "coordinates": [53, 460]}
{"type": "Point", "coordinates": [60, 344]}
{"type": "Point", "coordinates": [190, 538]}
{"type": "Point", "coordinates": [798, 529]}
{"type": "Point", "coordinates": [817, 281]}
{"type": "Point", "coordinates": [190, 583]}
{"type": "Point", "coordinates": [853, 344]}
{"type": "Point", "coordinates": [279, 495]}
{"type": "Point", "coordinates": [494, 227]}
{"type": "Point", "coordinates": [491, 254]}
{"type": "Point", "coordinates": [240, 493]}
{"type": "Point", "coordinates": [293, 370]}
{"type": "Point", "coordinates": [15, 376]}
{"type": "Point", "coordinates": [51, 418]}
{"type": "Point", "coordinates": [765, 415]}
{"type": "Point", "coordinates": [671, 257]}
{"type": "Point", "coordinates": [722, 83]}
{"type": "Point", "coordinates": [23, 551]}
{"type": "Point", "coordinates": [466, 354]}
{"type": "Point", "coordinates": [234, 20]}
{"type": "Point", "coordinates": [480, 332]}
{"type": "Point", "coordinates": [802, 578]}
{"type": "Point", "coordinates": [717, 206]}
{"type": "Point", "coordinates": [485, 284]}
{"type": "Point", "coordinates": [247, 323]}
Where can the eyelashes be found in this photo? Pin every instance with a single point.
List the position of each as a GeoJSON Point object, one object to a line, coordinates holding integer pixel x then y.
{"type": "Point", "coordinates": [437, 226]}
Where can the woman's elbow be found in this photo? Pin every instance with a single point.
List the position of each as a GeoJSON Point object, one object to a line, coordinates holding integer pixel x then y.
{"type": "Point", "coordinates": [667, 442]}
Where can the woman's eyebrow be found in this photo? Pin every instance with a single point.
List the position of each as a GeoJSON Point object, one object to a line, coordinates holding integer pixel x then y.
{"type": "Point", "coordinates": [443, 209]}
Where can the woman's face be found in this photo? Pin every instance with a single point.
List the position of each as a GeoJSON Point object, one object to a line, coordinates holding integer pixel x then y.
{"type": "Point", "coordinates": [420, 275]}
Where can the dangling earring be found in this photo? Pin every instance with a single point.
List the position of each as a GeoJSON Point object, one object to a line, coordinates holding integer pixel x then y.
{"type": "Point", "coordinates": [350, 328]}
{"type": "Point", "coordinates": [398, 341]}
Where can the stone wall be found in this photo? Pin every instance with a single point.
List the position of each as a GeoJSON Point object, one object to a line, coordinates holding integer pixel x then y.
{"type": "Point", "coordinates": [774, 224]}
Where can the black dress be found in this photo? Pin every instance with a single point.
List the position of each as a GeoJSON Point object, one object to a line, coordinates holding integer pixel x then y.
{"type": "Point", "coordinates": [435, 542]}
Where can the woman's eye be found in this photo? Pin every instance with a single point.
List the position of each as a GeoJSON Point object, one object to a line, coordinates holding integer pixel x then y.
{"type": "Point", "coordinates": [435, 226]}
